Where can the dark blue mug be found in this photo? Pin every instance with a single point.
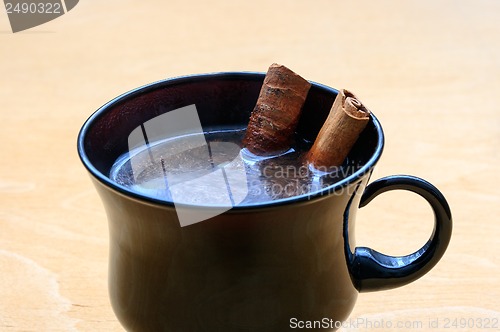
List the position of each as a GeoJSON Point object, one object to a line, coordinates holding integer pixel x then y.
{"type": "Point", "coordinates": [267, 267]}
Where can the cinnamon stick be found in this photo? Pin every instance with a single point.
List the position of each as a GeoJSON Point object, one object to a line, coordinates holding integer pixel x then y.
{"type": "Point", "coordinates": [277, 111]}
{"type": "Point", "coordinates": [345, 122]}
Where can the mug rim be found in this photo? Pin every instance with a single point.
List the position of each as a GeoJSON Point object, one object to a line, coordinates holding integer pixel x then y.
{"type": "Point", "coordinates": [106, 181]}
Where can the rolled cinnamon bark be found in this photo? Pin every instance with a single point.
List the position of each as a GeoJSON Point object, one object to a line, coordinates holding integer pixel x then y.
{"type": "Point", "coordinates": [276, 114]}
{"type": "Point", "coordinates": [345, 122]}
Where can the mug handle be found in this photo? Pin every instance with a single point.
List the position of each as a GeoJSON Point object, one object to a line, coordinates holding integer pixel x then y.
{"type": "Point", "coordinates": [372, 270]}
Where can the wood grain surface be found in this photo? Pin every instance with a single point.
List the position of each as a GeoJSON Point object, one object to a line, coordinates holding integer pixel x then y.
{"type": "Point", "coordinates": [429, 70]}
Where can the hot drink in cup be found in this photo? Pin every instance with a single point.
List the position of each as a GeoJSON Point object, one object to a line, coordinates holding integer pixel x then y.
{"type": "Point", "coordinates": [210, 233]}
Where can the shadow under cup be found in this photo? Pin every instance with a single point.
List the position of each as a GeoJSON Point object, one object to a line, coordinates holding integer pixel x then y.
{"type": "Point", "coordinates": [267, 267]}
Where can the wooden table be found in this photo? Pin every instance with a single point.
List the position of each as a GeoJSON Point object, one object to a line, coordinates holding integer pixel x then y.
{"type": "Point", "coordinates": [429, 70]}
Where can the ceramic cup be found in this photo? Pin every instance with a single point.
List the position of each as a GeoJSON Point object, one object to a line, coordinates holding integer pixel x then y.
{"type": "Point", "coordinates": [267, 267]}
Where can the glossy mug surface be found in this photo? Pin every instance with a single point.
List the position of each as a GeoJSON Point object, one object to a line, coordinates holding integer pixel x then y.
{"type": "Point", "coordinates": [266, 267]}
